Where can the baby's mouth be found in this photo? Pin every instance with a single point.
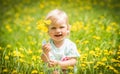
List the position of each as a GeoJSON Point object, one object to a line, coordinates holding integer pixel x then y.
{"type": "Point", "coordinates": [58, 35]}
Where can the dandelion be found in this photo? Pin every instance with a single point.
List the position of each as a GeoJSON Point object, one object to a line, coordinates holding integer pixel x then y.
{"type": "Point", "coordinates": [116, 71]}
{"type": "Point", "coordinates": [70, 67]}
{"type": "Point", "coordinates": [97, 49]}
{"type": "Point", "coordinates": [34, 72]}
{"type": "Point", "coordinates": [85, 42]}
{"type": "Point", "coordinates": [86, 48]}
{"type": "Point", "coordinates": [34, 58]}
{"type": "Point", "coordinates": [32, 42]}
{"type": "Point", "coordinates": [41, 73]}
{"type": "Point", "coordinates": [113, 69]}
{"type": "Point", "coordinates": [14, 72]}
{"type": "Point", "coordinates": [109, 28]}
{"type": "Point", "coordinates": [41, 25]}
{"type": "Point", "coordinates": [6, 57]}
{"type": "Point", "coordinates": [9, 46]}
{"type": "Point", "coordinates": [21, 60]}
{"type": "Point", "coordinates": [28, 29]}
{"type": "Point", "coordinates": [77, 41]}
{"type": "Point", "coordinates": [42, 5]}
{"type": "Point", "coordinates": [0, 48]}
{"type": "Point", "coordinates": [79, 51]}
{"type": "Point", "coordinates": [110, 52]}
{"type": "Point", "coordinates": [114, 60]}
{"type": "Point", "coordinates": [71, 73]}
{"type": "Point", "coordinates": [92, 52]}
{"type": "Point", "coordinates": [40, 50]}
{"type": "Point", "coordinates": [21, 49]}
{"type": "Point", "coordinates": [8, 28]}
{"type": "Point", "coordinates": [96, 37]}
{"type": "Point", "coordinates": [47, 22]}
{"type": "Point", "coordinates": [83, 65]}
{"type": "Point", "coordinates": [42, 28]}
{"type": "Point", "coordinates": [104, 59]}
{"type": "Point", "coordinates": [21, 55]}
{"type": "Point", "coordinates": [106, 52]}
{"type": "Point", "coordinates": [29, 51]}
{"type": "Point", "coordinates": [5, 70]}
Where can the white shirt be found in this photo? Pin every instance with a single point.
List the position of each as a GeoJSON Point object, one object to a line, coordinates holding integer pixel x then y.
{"type": "Point", "coordinates": [68, 49]}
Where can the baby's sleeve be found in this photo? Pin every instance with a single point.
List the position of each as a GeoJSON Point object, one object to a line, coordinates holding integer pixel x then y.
{"type": "Point", "coordinates": [73, 52]}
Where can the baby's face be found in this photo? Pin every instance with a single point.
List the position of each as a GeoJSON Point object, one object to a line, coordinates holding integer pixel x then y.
{"type": "Point", "coordinates": [58, 31]}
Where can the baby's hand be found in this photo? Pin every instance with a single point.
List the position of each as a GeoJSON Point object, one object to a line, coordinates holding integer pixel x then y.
{"type": "Point", "coordinates": [52, 63]}
{"type": "Point", "coordinates": [46, 47]}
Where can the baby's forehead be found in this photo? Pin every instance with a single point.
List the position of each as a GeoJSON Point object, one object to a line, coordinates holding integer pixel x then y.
{"type": "Point", "coordinates": [63, 24]}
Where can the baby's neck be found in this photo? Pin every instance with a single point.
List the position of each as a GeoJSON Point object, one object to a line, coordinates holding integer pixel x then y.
{"type": "Point", "coordinates": [58, 44]}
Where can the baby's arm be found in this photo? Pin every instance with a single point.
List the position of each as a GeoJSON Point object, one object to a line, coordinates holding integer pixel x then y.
{"type": "Point", "coordinates": [63, 64]}
{"type": "Point", "coordinates": [45, 54]}
{"type": "Point", "coordinates": [67, 63]}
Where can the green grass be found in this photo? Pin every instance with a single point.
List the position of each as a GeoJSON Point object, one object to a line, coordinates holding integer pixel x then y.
{"type": "Point", "coordinates": [95, 28]}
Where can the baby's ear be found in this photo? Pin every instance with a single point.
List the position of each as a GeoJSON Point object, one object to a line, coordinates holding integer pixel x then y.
{"type": "Point", "coordinates": [68, 29]}
{"type": "Point", "coordinates": [69, 26]}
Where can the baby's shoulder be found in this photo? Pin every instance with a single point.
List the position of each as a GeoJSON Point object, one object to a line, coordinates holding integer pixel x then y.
{"type": "Point", "coordinates": [69, 43]}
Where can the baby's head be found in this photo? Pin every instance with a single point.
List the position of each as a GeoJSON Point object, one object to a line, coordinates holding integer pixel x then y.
{"type": "Point", "coordinates": [59, 27]}
{"type": "Point", "coordinates": [58, 17]}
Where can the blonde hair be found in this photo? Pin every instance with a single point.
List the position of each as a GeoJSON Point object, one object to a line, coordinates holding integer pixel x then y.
{"type": "Point", "coordinates": [57, 17]}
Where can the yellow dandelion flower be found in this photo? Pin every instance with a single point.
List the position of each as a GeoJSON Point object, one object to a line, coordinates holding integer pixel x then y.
{"type": "Point", "coordinates": [41, 73]}
{"type": "Point", "coordinates": [70, 67]}
{"type": "Point", "coordinates": [8, 28]}
{"type": "Point", "coordinates": [48, 22]}
{"type": "Point", "coordinates": [96, 37]}
{"type": "Point", "coordinates": [21, 60]}
{"type": "Point", "coordinates": [0, 48]}
{"type": "Point", "coordinates": [40, 50]}
{"type": "Point", "coordinates": [28, 29]}
{"type": "Point", "coordinates": [42, 5]}
{"type": "Point", "coordinates": [34, 72]}
{"type": "Point", "coordinates": [85, 42]}
{"type": "Point", "coordinates": [86, 48]}
{"type": "Point", "coordinates": [97, 49]}
{"type": "Point", "coordinates": [21, 49]}
{"type": "Point", "coordinates": [29, 51]}
{"type": "Point", "coordinates": [21, 55]}
{"type": "Point", "coordinates": [118, 57]}
{"type": "Point", "coordinates": [5, 70]}
{"type": "Point", "coordinates": [14, 72]}
{"type": "Point", "coordinates": [71, 73]}
{"type": "Point", "coordinates": [100, 63]}
{"type": "Point", "coordinates": [79, 51]}
{"type": "Point", "coordinates": [77, 41]}
{"type": "Point", "coordinates": [34, 58]}
{"type": "Point", "coordinates": [83, 65]}
{"type": "Point", "coordinates": [104, 59]}
{"type": "Point", "coordinates": [6, 57]}
{"type": "Point", "coordinates": [109, 28]}
{"type": "Point", "coordinates": [118, 52]}
{"type": "Point", "coordinates": [109, 67]}
{"type": "Point", "coordinates": [116, 71]}
{"type": "Point", "coordinates": [92, 52]}
{"type": "Point", "coordinates": [9, 46]}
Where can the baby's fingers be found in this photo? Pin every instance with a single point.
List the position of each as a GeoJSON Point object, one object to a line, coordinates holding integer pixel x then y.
{"type": "Point", "coordinates": [46, 48]}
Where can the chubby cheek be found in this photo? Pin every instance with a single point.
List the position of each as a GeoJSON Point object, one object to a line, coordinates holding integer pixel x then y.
{"type": "Point", "coordinates": [65, 32]}
{"type": "Point", "coordinates": [51, 34]}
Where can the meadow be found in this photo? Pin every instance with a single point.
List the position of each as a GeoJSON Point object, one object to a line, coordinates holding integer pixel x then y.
{"type": "Point", "coordinates": [95, 28]}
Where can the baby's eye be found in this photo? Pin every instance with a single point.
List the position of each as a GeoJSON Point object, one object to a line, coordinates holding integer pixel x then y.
{"type": "Point", "coordinates": [53, 28]}
{"type": "Point", "coordinates": [62, 27]}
